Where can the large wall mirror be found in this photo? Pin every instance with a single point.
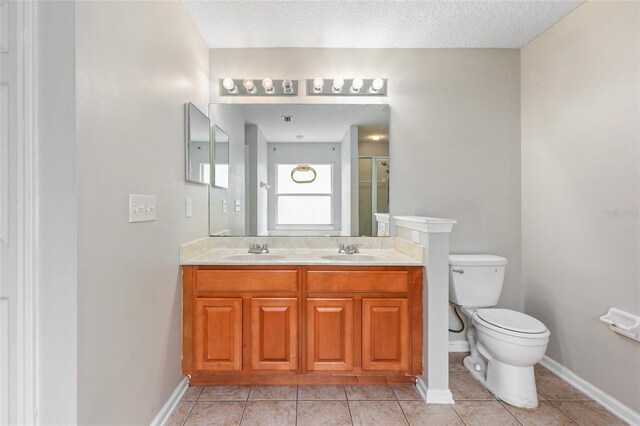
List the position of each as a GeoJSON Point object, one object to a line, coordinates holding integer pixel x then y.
{"type": "Point", "coordinates": [302, 170]}
{"type": "Point", "coordinates": [197, 145]}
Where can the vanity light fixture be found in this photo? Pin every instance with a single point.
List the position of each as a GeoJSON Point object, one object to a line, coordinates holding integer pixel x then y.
{"type": "Point", "coordinates": [229, 85]}
{"type": "Point", "coordinates": [375, 138]}
{"type": "Point", "coordinates": [347, 87]}
{"type": "Point", "coordinates": [318, 83]}
{"type": "Point", "coordinates": [338, 84]}
{"type": "Point", "coordinates": [267, 84]}
{"type": "Point", "coordinates": [249, 86]}
{"type": "Point", "coordinates": [257, 87]}
{"type": "Point", "coordinates": [376, 85]}
{"type": "Point", "coordinates": [356, 85]}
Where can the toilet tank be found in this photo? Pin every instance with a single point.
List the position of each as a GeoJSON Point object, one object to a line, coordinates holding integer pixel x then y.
{"type": "Point", "coordinates": [475, 280]}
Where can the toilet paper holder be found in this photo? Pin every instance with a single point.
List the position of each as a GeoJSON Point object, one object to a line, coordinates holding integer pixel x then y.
{"type": "Point", "coordinates": [623, 323]}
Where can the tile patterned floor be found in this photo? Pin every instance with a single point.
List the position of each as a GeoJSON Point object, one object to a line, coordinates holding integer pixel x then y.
{"type": "Point", "coordinates": [560, 404]}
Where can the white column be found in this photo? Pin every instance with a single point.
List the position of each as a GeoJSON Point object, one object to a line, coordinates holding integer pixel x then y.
{"type": "Point", "coordinates": [433, 234]}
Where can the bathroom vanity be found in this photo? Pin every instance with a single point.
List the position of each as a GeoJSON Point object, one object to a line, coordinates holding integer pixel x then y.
{"type": "Point", "coordinates": [302, 318]}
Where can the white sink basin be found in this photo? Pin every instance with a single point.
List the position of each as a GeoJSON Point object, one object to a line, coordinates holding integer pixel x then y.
{"type": "Point", "coordinates": [264, 257]}
{"type": "Point", "coordinates": [351, 257]}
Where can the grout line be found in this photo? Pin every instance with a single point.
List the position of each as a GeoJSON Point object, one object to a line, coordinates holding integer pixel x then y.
{"type": "Point", "coordinates": [245, 406]}
{"type": "Point", "coordinates": [458, 414]}
{"type": "Point", "coordinates": [566, 414]}
{"type": "Point", "coordinates": [188, 414]}
{"type": "Point", "coordinates": [349, 408]}
{"type": "Point", "coordinates": [400, 405]}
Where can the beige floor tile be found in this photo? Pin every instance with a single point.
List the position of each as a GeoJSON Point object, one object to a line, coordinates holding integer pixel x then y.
{"type": "Point", "coordinates": [288, 392]}
{"type": "Point", "coordinates": [180, 413]}
{"type": "Point", "coordinates": [378, 413]}
{"type": "Point", "coordinates": [192, 393]}
{"type": "Point", "coordinates": [407, 392]}
{"type": "Point", "coordinates": [554, 388]}
{"type": "Point", "coordinates": [370, 393]}
{"type": "Point", "coordinates": [215, 413]}
{"type": "Point", "coordinates": [545, 415]}
{"type": "Point", "coordinates": [323, 413]}
{"type": "Point", "coordinates": [419, 413]}
{"type": "Point", "coordinates": [321, 392]}
{"type": "Point", "coordinates": [224, 393]}
{"type": "Point", "coordinates": [588, 413]}
{"type": "Point", "coordinates": [484, 413]}
{"type": "Point", "coordinates": [455, 362]}
{"type": "Point", "coordinates": [464, 387]}
{"type": "Point", "coordinates": [540, 369]}
{"type": "Point", "coordinates": [270, 413]}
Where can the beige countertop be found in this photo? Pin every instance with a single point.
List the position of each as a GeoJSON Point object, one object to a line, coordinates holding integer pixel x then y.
{"type": "Point", "coordinates": [302, 256]}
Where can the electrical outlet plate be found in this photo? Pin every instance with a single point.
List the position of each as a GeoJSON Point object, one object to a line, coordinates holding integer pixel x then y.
{"type": "Point", "coordinates": [224, 206]}
{"type": "Point", "coordinates": [236, 206]}
{"type": "Point", "coordinates": [142, 208]}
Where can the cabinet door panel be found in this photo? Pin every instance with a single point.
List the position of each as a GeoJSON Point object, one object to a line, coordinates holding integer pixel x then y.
{"type": "Point", "coordinates": [218, 334]}
{"type": "Point", "coordinates": [274, 334]}
{"type": "Point", "coordinates": [329, 334]}
{"type": "Point", "coordinates": [385, 334]}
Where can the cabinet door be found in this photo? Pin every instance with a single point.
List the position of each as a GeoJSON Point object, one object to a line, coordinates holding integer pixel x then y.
{"type": "Point", "coordinates": [329, 334]}
{"type": "Point", "coordinates": [218, 334]}
{"type": "Point", "coordinates": [274, 334]}
{"type": "Point", "coordinates": [385, 334]}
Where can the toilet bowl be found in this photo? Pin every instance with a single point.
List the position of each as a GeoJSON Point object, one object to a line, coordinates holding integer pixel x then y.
{"type": "Point", "coordinates": [504, 344]}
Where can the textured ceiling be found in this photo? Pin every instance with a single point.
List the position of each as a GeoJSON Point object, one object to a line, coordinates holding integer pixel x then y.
{"type": "Point", "coordinates": [375, 24]}
{"type": "Point", "coordinates": [317, 123]}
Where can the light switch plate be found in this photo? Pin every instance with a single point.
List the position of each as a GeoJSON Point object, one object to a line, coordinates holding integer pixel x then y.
{"type": "Point", "coordinates": [415, 237]}
{"type": "Point", "coordinates": [142, 208]}
{"type": "Point", "coordinates": [236, 206]}
{"type": "Point", "coordinates": [188, 207]}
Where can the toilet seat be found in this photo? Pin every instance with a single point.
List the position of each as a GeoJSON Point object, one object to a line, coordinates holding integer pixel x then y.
{"type": "Point", "coordinates": [510, 322]}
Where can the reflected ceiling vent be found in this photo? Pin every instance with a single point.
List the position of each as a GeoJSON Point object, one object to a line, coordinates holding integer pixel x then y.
{"type": "Point", "coordinates": [287, 118]}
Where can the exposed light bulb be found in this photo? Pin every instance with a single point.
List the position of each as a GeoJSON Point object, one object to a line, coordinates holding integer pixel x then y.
{"type": "Point", "coordinates": [249, 86]}
{"type": "Point", "coordinates": [229, 85]}
{"type": "Point", "coordinates": [356, 84]}
{"type": "Point", "coordinates": [267, 83]}
{"type": "Point", "coordinates": [338, 84]}
{"type": "Point", "coordinates": [377, 85]}
{"type": "Point", "coordinates": [375, 138]}
{"type": "Point", "coordinates": [287, 86]}
{"type": "Point", "coordinates": [318, 83]}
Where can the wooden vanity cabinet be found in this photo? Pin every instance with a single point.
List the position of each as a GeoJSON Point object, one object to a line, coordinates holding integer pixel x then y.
{"type": "Point", "coordinates": [301, 324]}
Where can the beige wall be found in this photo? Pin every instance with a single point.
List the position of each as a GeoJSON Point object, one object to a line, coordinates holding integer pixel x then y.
{"type": "Point", "coordinates": [581, 159]}
{"type": "Point", "coordinates": [454, 132]}
{"type": "Point", "coordinates": [137, 63]}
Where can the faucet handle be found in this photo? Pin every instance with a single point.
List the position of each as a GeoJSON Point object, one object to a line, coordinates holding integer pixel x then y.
{"type": "Point", "coordinates": [265, 248]}
{"type": "Point", "coordinates": [341, 248]}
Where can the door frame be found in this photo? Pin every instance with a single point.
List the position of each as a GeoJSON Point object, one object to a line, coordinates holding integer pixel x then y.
{"type": "Point", "coordinates": [26, 223]}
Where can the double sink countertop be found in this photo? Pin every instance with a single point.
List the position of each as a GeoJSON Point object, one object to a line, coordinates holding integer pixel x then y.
{"type": "Point", "coordinates": [383, 251]}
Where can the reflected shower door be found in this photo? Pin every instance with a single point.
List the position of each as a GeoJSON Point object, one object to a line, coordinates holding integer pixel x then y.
{"type": "Point", "coordinates": [373, 192]}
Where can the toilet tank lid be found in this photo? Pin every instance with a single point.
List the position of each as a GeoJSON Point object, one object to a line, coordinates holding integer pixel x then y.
{"type": "Point", "coordinates": [476, 260]}
{"type": "Point", "coordinates": [511, 320]}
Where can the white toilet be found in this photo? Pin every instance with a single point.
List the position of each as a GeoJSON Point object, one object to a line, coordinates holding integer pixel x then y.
{"type": "Point", "coordinates": [505, 344]}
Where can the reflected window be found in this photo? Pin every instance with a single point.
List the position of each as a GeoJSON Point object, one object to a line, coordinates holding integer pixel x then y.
{"type": "Point", "coordinates": [304, 203]}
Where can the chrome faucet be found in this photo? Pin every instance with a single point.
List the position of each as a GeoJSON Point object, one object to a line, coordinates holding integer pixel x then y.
{"type": "Point", "coordinates": [258, 249]}
{"type": "Point", "coordinates": [349, 248]}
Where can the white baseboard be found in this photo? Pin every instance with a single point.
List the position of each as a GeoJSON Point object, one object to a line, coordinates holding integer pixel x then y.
{"type": "Point", "coordinates": [433, 396]}
{"type": "Point", "coordinates": [458, 346]}
{"type": "Point", "coordinates": [171, 403]}
{"type": "Point", "coordinates": [607, 401]}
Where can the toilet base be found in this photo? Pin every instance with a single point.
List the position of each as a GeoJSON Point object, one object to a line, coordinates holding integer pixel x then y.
{"type": "Point", "coordinates": [514, 385]}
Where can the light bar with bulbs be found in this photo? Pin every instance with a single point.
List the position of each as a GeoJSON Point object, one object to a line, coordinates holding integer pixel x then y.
{"type": "Point", "coordinates": [256, 87]}
{"type": "Point", "coordinates": [347, 87]}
